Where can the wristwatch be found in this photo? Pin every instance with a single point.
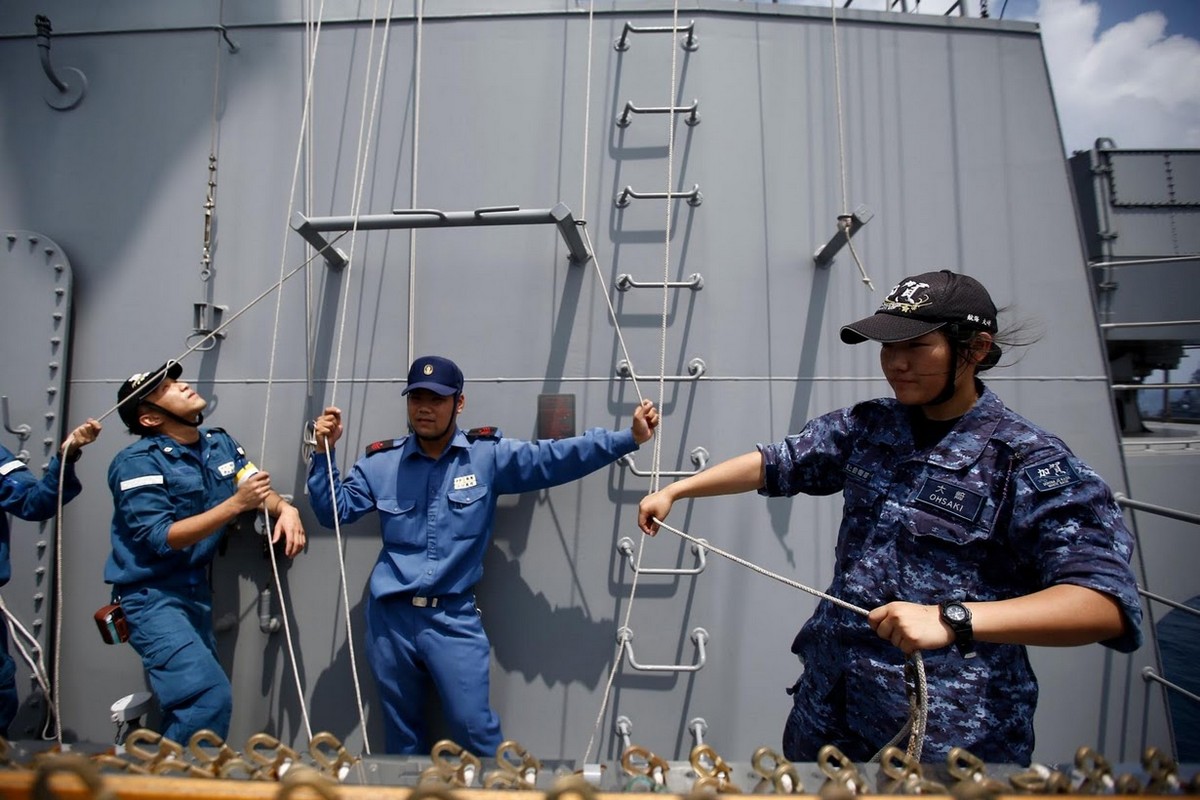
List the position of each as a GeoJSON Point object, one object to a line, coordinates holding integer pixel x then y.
{"type": "Point", "coordinates": [958, 617]}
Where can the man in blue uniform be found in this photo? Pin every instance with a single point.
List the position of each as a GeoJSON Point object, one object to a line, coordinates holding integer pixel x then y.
{"type": "Point", "coordinates": [24, 495]}
{"type": "Point", "coordinates": [964, 524]}
{"type": "Point", "coordinates": [174, 491]}
{"type": "Point", "coordinates": [436, 491]}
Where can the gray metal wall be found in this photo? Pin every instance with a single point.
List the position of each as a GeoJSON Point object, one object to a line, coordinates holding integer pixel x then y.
{"type": "Point", "coordinates": [951, 141]}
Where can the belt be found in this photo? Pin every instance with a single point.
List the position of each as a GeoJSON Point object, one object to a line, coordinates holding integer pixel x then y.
{"type": "Point", "coordinates": [421, 601]}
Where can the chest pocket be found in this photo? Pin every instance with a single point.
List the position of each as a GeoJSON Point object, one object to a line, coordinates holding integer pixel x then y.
{"type": "Point", "coordinates": [947, 511]}
{"type": "Point", "coordinates": [398, 521]}
{"type": "Point", "coordinates": [186, 486]}
{"type": "Point", "coordinates": [469, 508]}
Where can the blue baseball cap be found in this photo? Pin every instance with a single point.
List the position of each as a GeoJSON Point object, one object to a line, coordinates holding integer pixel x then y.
{"type": "Point", "coordinates": [437, 374]}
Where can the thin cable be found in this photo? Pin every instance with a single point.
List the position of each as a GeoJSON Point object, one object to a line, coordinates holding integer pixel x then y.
{"type": "Point", "coordinates": [412, 234]}
{"type": "Point", "coordinates": [587, 113]}
{"type": "Point", "coordinates": [56, 645]}
{"type": "Point", "coordinates": [366, 125]}
{"type": "Point", "coordinates": [837, 90]}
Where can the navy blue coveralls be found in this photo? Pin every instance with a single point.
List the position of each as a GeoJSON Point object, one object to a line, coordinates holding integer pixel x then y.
{"type": "Point", "coordinates": [999, 508]}
{"type": "Point", "coordinates": [165, 592]}
{"type": "Point", "coordinates": [23, 494]}
{"type": "Point", "coordinates": [436, 519]}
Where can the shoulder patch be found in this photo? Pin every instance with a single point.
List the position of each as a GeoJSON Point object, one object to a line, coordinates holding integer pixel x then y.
{"type": "Point", "coordinates": [12, 466]}
{"type": "Point", "coordinates": [381, 445]}
{"type": "Point", "coordinates": [484, 432]}
{"type": "Point", "coordinates": [1056, 474]}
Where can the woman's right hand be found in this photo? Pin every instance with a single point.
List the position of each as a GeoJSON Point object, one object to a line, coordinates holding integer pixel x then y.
{"type": "Point", "coordinates": [653, 506]}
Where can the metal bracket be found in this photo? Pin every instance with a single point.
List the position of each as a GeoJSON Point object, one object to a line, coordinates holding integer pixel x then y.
{"type": "Point", "coordinates": [625, 548]}
{"type": "Point", "coordinates": [861, 216]}
{"type": "Point", "coordinates": [694, 197]}
{"type": "Point", "coordinates": [691, 43]}
{"type": "Point", "coordinates": [625, 282]}
{"type": "Point", "coordinates": [406, 218]}
{"type": "Point", "coordinates": [20, 431]}
{"type": "Point", "coordinates": [206, 320]}
{"type": "Point", "coordinates": [699, 458]}
{"type": "Point", "coordinates": [699, 636]}
{"type": "Point", "coordinates": [696, 369]}
{"type": "Point", "coordinates": [693, 117]}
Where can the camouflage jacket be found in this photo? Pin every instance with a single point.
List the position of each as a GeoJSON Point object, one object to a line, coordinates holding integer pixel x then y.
{"type": "Point", "coordinates": [997, 509]}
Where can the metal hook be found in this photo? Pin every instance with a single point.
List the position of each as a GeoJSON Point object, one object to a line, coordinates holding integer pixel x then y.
{"type": "Point", "coordinates": [21, 431]}
{"type": "Point", "coordinates": [64, 96]}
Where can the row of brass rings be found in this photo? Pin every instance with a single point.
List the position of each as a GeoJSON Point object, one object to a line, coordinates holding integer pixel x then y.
{"type": "Point", "coordinates": [1040, 779]}
{"type": "Point", "coordinates": [840, 771]}
{"type": "Point", "coordinates": [330, 755]}
{"type": "Point", "coordinates": [776, 771]}
{"type": "Point", "coordinates": [452, 765]}
{"type": "Point", "coordinates": [72, 764]}
{"type": "Point", "coordinates": [1097, 776]}
{"type": "Point", "coordinates": [517, 768]}
{"type": "Point", "coordinates": [906, 774]}
{"type": "Point", "coordinates": [714, 773]}
{"type": "Point", "coordinates": [647, 771]}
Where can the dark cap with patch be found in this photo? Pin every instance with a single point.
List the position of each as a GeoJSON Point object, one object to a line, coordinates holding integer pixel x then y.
{"type": "Point", "coordinates": [923, 304]}
{"type": "Point", "coordinates": [437, 374]}
{"type": "Point", "coordinates": [139, 386]}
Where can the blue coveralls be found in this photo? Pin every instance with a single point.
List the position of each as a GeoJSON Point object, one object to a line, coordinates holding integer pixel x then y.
{"type": "Point", "coordinates": [436, 520]}
{"type": "Point", "coordinates": [164, 592]}
{"type": "Point", "coordinates": [999, 508]}
{"type": "Point", "coordinates": [30, 498]}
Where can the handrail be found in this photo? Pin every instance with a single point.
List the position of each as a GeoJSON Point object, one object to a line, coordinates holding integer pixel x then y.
{"type": "Point", "coordinates": [699, 636]}
{"type": "Point", "coordinates": [692, 111]}
{"type": "Point", "coordinates": [625, 548]}
{"type": "Point", "coordinates": [691, 43]}
{"type": "Point", "coordinates": [1167, 602]}
{"type": "Point", "coordinates": [1139, 386]}
{"type": "Point", "coordinates": [625, 282]}
{"type": "Point", "coordinates": [1165, 323]}
{"type": "Point", "coordinates": [696, 369]}
{"type": "Point", "coordinates": [699, 457]}
{"type": "Point", "coordinates": [1148, 674]}
{"type": "Point", "coordinates": [694, 198]}
{"type": "Point", "coordinates": [405, 218]}
{"type": "Point", "coordinates": [1162, 511]}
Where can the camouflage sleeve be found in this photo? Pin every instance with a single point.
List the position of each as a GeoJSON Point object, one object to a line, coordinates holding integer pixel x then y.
{"type": "Point", "coordinates": [811, 461]}
{"type": "Point", "coordinates": [1066, 515]}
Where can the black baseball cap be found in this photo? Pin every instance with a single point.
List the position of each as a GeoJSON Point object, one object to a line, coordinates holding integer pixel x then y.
{"type": "Point", "coordinates": [925, 303]}
{"type": "Point", "coordinates": [437, 374]}
{"type": "Point", "coordinates": [140, 386]}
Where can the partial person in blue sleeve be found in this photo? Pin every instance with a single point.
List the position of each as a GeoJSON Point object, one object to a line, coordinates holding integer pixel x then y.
{"type": "Point", "coordinates": [174, 492]}
{"type": "Point", "coordinates": [967, 530]}
{"type": "Point", "coordinates": [26, 496]}
{"type": "Point", "coordinates": [435, 491]}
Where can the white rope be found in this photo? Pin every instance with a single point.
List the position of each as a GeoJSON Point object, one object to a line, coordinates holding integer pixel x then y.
{"type": "Point", "coordinates": [34, 660]}
{"type": "Point", "coordinates": [918, 700]}
{"type": "Point", "coordinates": [366, 125]}
{"type": "Point", "coordinates": [844, 218]}
{"type": "Point", "coordinates": [53, 699]}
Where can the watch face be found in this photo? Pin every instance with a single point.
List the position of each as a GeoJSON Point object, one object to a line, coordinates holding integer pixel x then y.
{"type": "Point", "coordinates": [956, 613]}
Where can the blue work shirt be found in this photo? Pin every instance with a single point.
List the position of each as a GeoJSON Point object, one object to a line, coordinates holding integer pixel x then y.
{"type": "Point", "coordinates": [25, 495]}
{"type": "Point", "coordinates": [436, 515]}
{"type": "Point", "coordinates": [155, 482]}
{"type": "Point", "coordinates": [999, 508]}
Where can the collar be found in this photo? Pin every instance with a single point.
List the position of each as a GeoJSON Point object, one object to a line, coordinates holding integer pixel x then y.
{"type": "Point", "coordinates": [965, 443]}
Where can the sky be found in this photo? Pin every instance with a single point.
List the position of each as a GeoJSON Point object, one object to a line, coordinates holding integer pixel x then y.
{"type": "Point", "coordinates": [1125, 70]}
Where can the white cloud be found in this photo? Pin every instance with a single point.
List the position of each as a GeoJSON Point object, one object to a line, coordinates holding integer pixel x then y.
{"type": "Point", "coordinates": [1131, 83]}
